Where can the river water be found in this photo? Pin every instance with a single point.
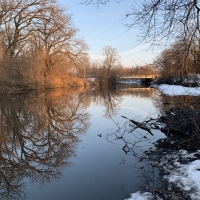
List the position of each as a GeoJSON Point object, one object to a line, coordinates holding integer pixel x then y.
{"type": "Point", "coordinates": [74, 145]}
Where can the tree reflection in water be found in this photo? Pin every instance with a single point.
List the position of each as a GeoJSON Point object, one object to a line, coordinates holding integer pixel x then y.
{"type": "Point", "coordinates": [38, 134]}
{"type": "Point", "coordinates": [135, 141]}
{"type": "Point", "coordinates": [109, 100]}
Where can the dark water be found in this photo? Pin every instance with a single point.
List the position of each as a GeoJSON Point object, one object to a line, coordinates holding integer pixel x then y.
{"type": "Point", "coordinates": [72, 145]}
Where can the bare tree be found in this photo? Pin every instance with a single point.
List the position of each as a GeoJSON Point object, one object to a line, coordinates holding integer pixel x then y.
{"type": "Point", "coordinates": [111, 61]}
{"type": "Point", "coordinates": [163, 21]}
{"type": "Point", "coordinates": [16, 19]}
{"type": "Point", "coordinates": [177, 60]}
{"type": "Point", "coordinates": [37, 36]}
{"type": "Point", "coordinates": [55, 36]}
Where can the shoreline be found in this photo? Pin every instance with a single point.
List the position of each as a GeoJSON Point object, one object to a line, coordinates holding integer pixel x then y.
{"type": "Point", "coordinates": [176, 156]}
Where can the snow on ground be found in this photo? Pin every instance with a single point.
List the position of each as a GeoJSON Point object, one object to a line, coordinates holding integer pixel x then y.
{"type": "Point", "coordinates": [180, 173]}
{"type": "Point", "coordinates": [179, 170]}
{"type": "Point", "coordinates": [140, 196]}
{"type": "Point", "coordinates": [175, 90]}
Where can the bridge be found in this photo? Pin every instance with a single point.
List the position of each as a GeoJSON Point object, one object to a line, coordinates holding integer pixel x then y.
{"type": "Point", "coordinates": [152, 77]}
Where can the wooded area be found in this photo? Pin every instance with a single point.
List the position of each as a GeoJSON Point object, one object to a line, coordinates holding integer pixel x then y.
{"type": "Point", "coordinates": [39, 47]}
{"type": "Point", "coordinates": [169, 25]}
{"type": "Point", "coordinates": [38, 44]}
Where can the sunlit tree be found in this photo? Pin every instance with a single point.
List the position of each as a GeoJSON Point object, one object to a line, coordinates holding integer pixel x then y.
{"type": "Point", "coordinates": [37, 37]}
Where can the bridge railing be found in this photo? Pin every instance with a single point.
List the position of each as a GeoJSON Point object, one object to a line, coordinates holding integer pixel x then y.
{"type": "Point", "coordinates": [139, 76]}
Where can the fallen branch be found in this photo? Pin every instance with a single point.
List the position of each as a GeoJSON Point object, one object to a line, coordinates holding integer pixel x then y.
{"type": "Point", "coordinates": [140, 125]}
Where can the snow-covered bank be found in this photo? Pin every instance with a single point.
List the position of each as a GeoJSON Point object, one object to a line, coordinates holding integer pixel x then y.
{"type": "Point", "coordinates": [183, 173]}
{"type": "Point", "coordinates": [180, 169]}
{"type": "Point", "coordinates": [142, 196]}
{"type": "Point", "coordinates": [175, 90]}
{"type": "Point", "coordinates": [181, 176]}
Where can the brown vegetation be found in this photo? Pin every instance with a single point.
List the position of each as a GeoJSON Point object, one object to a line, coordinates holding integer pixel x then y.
{"type": "Point", "coordinates": [38, 46]}
{"type": "Point", "coordinates": [179, 61]}
{"type": "Point", "coordinates": [39, 133]}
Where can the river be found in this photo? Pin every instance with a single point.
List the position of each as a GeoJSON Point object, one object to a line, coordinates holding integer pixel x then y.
{"type": "Point", "coordinates": [74, 145]}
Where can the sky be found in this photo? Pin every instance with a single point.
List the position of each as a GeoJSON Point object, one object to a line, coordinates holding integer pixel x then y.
{"type": "Point", "coordinates": [105, 26]}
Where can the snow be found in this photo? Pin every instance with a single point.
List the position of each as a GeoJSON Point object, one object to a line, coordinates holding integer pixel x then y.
{"type": "Point", "coordinates": [140, 196]}
{"type": "Point", "coordinates": [91, 79]}
{"type": "Point", "coordinates": [184, 176]}
{"type": "Point", "coordinates": [181, 173]}
{"type": "Point", "coordinates": [175, 90]}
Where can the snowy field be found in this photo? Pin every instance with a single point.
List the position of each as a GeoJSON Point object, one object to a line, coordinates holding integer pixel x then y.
{"type": "Point", "coordinates": [185, 176]}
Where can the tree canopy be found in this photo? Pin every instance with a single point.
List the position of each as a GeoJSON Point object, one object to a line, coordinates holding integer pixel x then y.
{"type": "Point", "coordinates": [38, 39]}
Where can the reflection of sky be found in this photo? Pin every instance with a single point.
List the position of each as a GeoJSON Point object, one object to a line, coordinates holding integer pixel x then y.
{"type": "Point", "coordinates": [106, 26]}
{"type": "Point", "coordinates": [138, 107]}
{"type": "Point", "coordinates": [101, 169]}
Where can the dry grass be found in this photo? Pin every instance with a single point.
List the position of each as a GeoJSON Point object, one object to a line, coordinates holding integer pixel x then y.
{"type": "Point", "coordinates": [13, 86]}
{"type": "Point", "coordinates": [67, 82]}
{"type": "Point", "coordinates": [20, 75]}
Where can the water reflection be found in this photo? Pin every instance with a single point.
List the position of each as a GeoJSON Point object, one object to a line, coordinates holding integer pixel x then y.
{"type": "Point", "coordinates": [143, 92]}
{"type": "Point", "coordinates": [39, 133]}
{"type": "Point", "coordinates": [37, 136]}
{"type": "Point", "coordinates": [109, 100]}
{"type": "Point", "coordinates": [165, 102]}
{"type": "Point", "coordinates": [136, 142]}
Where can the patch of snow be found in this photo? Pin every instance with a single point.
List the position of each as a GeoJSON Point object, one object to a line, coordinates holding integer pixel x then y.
{"type": "Point", "coordinates": [181, 170]}
{"type": "Point", "coordinates": [175, 90]}
{"type": "Point", "coordinates": [142, 196]}
{"type": "Point", "coordinates": [184, 176]}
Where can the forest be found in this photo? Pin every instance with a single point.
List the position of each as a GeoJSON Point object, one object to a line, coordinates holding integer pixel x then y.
{"type": "Point", "coordinates": [39, 47]}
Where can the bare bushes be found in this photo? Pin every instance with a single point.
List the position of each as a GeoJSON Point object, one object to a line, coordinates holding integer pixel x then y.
{"type": "Point", "coordinates": [20, 74]}
{"type": "Point", "coordinates": [183, 127]}
{"type": "Point", "coordinates": [67, 82]}
{"type": "Point", "coordinates": [38, 45]}
{"type": "Point", "coordinates": [27, 74]}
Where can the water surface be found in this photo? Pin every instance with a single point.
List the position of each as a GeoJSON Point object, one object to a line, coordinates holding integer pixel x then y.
{"type": "Point", "coordinates": [75, 144]}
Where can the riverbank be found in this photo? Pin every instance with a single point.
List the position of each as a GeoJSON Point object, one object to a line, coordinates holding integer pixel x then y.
{"type": "Point", "coordinates": [14, 86]}
{"type": "Point", "coordinates": [51, 82]}
{"type": "Point", "coordinates": [177, 155]}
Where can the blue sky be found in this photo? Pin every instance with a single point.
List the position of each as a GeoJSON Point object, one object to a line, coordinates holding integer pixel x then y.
{"type": "Point", "coordinates": [104, 26]}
